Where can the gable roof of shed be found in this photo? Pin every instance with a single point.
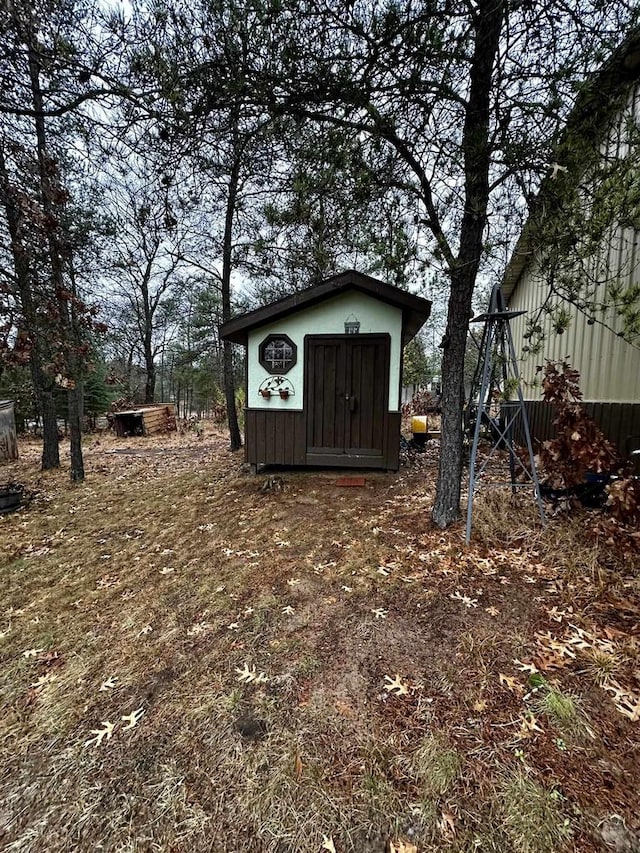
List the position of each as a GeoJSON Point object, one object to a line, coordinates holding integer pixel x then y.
{"type": "Point", "coordinates": [415, 309]}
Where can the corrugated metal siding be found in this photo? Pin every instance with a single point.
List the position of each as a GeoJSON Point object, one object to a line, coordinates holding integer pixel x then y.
{"type": "Point", "coordinates": [609, 366]}
{"type": "Point", "coordinates": [8, 437]}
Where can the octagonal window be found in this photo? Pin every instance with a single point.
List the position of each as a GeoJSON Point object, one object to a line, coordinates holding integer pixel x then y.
{"type": "Point", "coordinates": [277, 353]}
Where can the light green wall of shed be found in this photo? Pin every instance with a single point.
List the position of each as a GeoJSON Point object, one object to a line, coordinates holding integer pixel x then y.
{"type": "Point", "coordinates": [327, 318]}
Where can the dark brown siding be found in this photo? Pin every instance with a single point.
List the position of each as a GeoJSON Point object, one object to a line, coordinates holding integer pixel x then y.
{"type": "Point", "coordinates": [279, 438]}
{"type": "Point", "coordinates": [620, 422]}
{"type": "Point", "coordinates": [275, 437]}
{"type": "Point", "coordinates": [392, 450]}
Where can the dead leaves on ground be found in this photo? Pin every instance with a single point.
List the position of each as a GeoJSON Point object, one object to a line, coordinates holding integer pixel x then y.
{"type": "Point", "coordinates": [31, 653]}
{"type": "Point", "coordinates": [510, 683]}
{"type": "Point", "coordinates": [580, 647]}
{"type": "Point", "coordinates": [132, 719]}
{"type": "Point", "coordinates": [402, 847]}
{"type": "Point", "coordinates": [108, 728]}
{"type": "Point", "coordinates": [626, 702]}
{"type": "Point", "coordinates": [101, 734]}
{"type": "Point", "coordinates": [395, 686]}
{"type": "Point", "coordinates": [446, 573]}
{"type": "Point", "coordinates": [248, 675]}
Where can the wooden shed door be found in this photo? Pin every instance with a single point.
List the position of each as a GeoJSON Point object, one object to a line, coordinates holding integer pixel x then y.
{"type": "Point", "coordinates": [346, 399]}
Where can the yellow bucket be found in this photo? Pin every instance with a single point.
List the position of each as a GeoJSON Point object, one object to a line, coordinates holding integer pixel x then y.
{"type": "Point", "coordinates": [419, 424]}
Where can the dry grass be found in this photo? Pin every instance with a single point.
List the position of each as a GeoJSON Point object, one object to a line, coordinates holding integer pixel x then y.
{"type": "Point", "coordinates": [531, 815]}
{"type": "Point", "coordinates": [167, 571]}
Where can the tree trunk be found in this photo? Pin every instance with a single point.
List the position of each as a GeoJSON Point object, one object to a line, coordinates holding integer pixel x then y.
{"type": "Point", "coordinates": [46, 167]}
{"type": "Point", "coordinates": [227, 353]}
{"type": "Point", "coordinates": [230, 398]}
{"type": "Point", "coordinates": [476, 150]}
{"type": "Point", "coordinates": [447, 504]}
{"type": "Point", "coordinates": [50, 442]}
{"type": "Point", "coordinates": [42, 383]}
{"type": "Point", "coordinates": [74, 399]}
{"type": "Point", "coordinates": [150, 384]}
{"type": "Point", "coordinates": [147, 339]}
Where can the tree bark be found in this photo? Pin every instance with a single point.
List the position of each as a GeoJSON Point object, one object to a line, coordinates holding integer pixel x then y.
{"type": "Point", "coordinates": [235, 439]}
{"type": "Point", "coordinates": [477, 158]}
{"type": "Point", "coordinates": [74, 400]}
{"type": "Point", "coordinates": [46, 168]}
{"type": "Point", "coordinates": [50, 440]}
{"type": "Point", "coordinates": [42, 382]}
{"type": "Point", "coordinates": [150, 384]}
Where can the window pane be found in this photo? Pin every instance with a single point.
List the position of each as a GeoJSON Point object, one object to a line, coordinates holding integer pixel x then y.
{"type": "Point", "coordinates": [277, 355]}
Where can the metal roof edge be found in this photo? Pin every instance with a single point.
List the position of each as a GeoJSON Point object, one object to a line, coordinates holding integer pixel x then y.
{"type": "Point", "coordinates": [622, 68]}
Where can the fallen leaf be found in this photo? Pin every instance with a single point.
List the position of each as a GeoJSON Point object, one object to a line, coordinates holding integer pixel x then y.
{"type": "Point", "coordinates": [293, 581]}
{"type": "Point", "coordinates": [510, 682]}
{"type": "Point", "coordinates": [31, 653]}
{"type": "Point", "coordinates": [49, 658]}
{"type": "Point", "coordinates": [557, 615]}
{"type": "Point", "coordinates": [288, 610]}
{"type": "Point", "coordinates": [480, 705]}
{"type": "Point", "coordinates": [549, 661]}
{"type": "Point", "coordinates": [629, 708]}
{"type": "Point", "coordinates": [133, 718]}
{"type": "Point", "coordinates": [395, 684]}
{"type": "Point", "coordinates": [447, 825]}
{"type": "Point", "coordinates": [525, 667]}
{"type": "Point", "coordinates": [42, 680]}
{"type": "Point", "coordinates": [100, 734]}
{"type": "Point", "coordinates": [468, 602]}
{"type": "Point", "coordinates": [297, 766]}
{"type": "Point", "coordinates": [109, 683]}
{"type": "Point", "coordinates": [528, 725]}
{"type": "Point", "coordinates": [248, 675]}
{"type": "Point", "coordinates": [327, 844]}
{"type": "Point", "coordinates": [146, 630]}
{"type": "Point", "coordinates": [402, 847]}
{"type": "Point", "coordinates": [380, 613]}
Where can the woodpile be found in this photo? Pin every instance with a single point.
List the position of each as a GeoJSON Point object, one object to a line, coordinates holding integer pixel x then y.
{"type": "Point", "coordinates": [145, 420]}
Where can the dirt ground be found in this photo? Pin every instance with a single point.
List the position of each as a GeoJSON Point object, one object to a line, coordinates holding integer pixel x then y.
{"type": "Point", "coordinates": [196, 659]}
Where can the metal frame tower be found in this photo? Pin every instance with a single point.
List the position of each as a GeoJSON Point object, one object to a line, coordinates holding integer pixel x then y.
{"type": "Point", "coordinates": [498, 399]}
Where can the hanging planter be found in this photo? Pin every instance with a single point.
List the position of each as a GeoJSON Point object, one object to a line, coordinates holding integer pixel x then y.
{"type": "Point", "coordinates": [265, 393]}
{"type": "Point", "coordinates": [284, 393]}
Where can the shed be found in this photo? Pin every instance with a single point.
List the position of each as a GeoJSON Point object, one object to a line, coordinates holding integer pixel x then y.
{"type": "Point", "coordinates": [146, 420]}
{"type": "Point", "coordinates": [8, 436]}
{"type": "Point", "coordinates": [323, 375]}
